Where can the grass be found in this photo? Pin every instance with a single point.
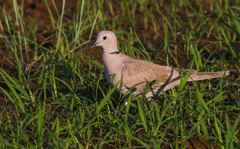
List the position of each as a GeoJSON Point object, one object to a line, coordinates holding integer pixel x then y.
{"type": "Point", "coordinates": [53, 98]}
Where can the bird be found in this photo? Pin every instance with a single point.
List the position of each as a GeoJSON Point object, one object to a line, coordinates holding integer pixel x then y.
{"type": "Point", "coordinates": [136, 74]}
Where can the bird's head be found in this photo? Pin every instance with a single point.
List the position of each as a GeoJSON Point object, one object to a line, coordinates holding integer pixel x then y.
{"type": "Point", "coordinates": [107, 40]}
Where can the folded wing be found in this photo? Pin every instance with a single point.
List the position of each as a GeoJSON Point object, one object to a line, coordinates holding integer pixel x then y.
{"type": "Point", "coordinates": [143, 72]}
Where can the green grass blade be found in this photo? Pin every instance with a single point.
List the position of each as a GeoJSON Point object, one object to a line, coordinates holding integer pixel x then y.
{"type": "Point", "coordinates": [199, 97]}
{"type": "Point", "coordinates": [142, 115]}
{"type": "Point", "coordinates": [11, 87]}
{"type": "Point", "coordinates": [105, 99]}
{"type": "Point", "coordinates": [183, 81]}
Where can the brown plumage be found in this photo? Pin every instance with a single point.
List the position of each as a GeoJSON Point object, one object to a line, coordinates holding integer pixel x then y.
{"type": "Point", "coordinates": [141, 72]}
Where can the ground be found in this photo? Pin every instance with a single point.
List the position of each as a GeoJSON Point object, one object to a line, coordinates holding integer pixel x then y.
{"type": "Point", "coordinates": [36, 12]}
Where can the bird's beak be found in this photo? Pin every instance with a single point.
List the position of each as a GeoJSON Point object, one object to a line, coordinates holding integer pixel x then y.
{"type": "Point", "coordinates": [95, 44]}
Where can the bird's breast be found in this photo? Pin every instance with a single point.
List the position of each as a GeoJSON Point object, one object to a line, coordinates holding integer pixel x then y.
{"type": "Point", "coordinates": [112, 65]}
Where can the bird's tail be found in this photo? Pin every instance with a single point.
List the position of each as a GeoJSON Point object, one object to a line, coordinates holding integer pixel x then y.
{"type": "Point", "coordinates": [208, 75]}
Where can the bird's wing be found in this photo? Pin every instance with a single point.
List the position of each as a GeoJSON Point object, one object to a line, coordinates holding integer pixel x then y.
{"type": "Point", "coordinates": [138, 71]}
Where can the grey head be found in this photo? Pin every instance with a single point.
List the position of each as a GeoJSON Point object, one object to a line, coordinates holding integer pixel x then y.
{"type": "Point", "coordinates": [107, 40]}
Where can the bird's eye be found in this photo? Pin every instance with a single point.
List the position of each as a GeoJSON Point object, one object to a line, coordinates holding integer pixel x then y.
{"type": "Point", "coordinates": [105, 37]}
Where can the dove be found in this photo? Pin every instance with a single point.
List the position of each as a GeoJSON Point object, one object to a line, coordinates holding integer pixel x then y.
{"type": "Point", "coordinates": [137, 74]}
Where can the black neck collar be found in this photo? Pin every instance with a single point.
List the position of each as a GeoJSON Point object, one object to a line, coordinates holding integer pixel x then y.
{"type": "Point", "coordinates": [114, 52]}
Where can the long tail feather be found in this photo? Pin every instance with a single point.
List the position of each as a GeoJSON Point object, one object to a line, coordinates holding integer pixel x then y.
{"type": "Point", "coordinates": [208, 75]}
